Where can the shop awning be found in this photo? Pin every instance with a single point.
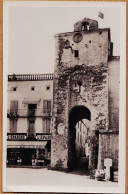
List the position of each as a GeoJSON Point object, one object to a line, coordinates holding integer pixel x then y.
{"type": "Point", "coordinates": [27, 144]}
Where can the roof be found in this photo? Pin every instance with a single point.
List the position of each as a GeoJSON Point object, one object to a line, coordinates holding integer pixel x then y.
{"type": "Point", "coordinates": [86, 32]}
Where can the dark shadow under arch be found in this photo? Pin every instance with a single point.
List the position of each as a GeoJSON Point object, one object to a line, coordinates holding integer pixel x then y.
{"type": "Point", "coordinates": [76, 114]}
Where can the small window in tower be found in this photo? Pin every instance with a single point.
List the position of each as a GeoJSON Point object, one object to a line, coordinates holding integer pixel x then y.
{"type": "Point", "coordinates": [14, 88]}
{"type": "Point", "coordinates": [32, 88]}
{"type": "Point", "coordinates": [76, 53]}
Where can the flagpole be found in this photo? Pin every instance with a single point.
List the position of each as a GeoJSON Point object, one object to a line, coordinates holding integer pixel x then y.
{"type": "Point", "coordinates": [100, 19]}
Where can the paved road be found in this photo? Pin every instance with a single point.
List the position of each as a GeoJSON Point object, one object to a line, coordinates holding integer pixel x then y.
{"type": "Point", "coordinates": [43, 177]}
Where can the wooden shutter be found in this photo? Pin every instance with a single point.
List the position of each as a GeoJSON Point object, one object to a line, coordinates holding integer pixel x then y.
{"type": "Point", "coordinates": [46, 125]}
{"type": "Point", "coordinates": [49, 105]}
{"type": "Point", "coordinates": [45, 104]}
{"type": "Point", "coordinates": [14, 106]}
{"type": "Point", "coordinates": [13, 125]}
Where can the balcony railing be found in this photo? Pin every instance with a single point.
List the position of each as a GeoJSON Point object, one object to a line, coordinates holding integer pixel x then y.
{"type": "Point", "coordinates": [29, 113]}
{"type": "Point", "coordinates": [30, 77]}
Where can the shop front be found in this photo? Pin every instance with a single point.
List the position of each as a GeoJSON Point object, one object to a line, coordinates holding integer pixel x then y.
{"type": "Point", "coordinates": [28, 153]}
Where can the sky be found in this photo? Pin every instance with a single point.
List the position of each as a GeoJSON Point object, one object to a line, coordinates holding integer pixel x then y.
{"type": "Point", "coordinates": [31, 30]}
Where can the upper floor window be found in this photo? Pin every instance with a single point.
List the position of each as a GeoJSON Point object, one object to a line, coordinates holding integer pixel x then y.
{"type": "Point", "coordinates": [76, 54]}
{"type": "Point", "coordinates": [31, 109]}
{"type": "Point", "coordinates": [13, 125]}
{"type": "Point", "coordinates": [46, 125]}
{"type": "Point", "coordinates": [32, 88]}
{"type": "Point", "coordinates": [47, 87]}
{"type": "Point", "coordinates": [14, 106]}
{"type": "Point", "coordinates": [47, 106]}
{"type": "Point", "coordinates": [14, 88]}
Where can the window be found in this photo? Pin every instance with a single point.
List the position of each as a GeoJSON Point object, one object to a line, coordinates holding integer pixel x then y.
{"type": "Point", "coordinates": [14, 88]}
{"type": "Point", "coordinates": [79, 84]}
{"type": "Point", "coordinates": [32, 88]}
{"type": "Point", "coordinates": [46, 125]}
{"type": "Point", "coordinates": [76, 53]}
{"type": "Point", "coordinates": [14, 106]}
{"type": "Point", "coordinates": [13, 125]}
{"type": "Point", "coordinates": [47, 87]}
{"type": "Point", "coordinates": [31, 109]}
{"type": "Point", "coordinates": [46, 106]}
{"type": "Point", "coordinates": [85, 26]}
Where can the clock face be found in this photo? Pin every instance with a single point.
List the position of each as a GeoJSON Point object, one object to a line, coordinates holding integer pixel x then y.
{"type": "Point", "coordinates": [77, 37]}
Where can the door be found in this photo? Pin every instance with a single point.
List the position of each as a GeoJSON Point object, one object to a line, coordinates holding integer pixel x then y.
{"type": "Point", "coordinates": [31, 109]}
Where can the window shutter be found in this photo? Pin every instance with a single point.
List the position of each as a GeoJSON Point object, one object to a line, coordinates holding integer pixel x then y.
{"type": "Point", "coordinates": [44, 125]}
{"type": "Point", "coordinates": [49, 105]}
{"type": "Point", "coordinates": [48, 125]}
{"type": "Point", "coordinates": [13, 125]}
{"type": "Point", "coordinates": [14, 106]}
{"type": "Point", "coordinates": [45, 104]}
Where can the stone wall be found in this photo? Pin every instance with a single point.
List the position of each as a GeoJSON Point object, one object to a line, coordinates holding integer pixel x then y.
{"type": "Point", "coordinates": [89, 71]}
{"type": "Point", "coordinates": [108, 148]}
{"type": "Point", "coordinates": [114, 82]}
{"type": "Point", "coordinates": [109, 142]}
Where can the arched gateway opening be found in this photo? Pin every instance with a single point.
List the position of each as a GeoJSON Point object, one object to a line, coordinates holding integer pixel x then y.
{"type": "Point", "coordinates": [78, 154]}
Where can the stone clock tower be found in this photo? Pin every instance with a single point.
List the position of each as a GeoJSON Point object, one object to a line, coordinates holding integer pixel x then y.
{"type": "Point", "coordinates": [80, 92]}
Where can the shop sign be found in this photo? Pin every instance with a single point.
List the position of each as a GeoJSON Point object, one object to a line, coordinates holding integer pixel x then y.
{"type": "Point", "coordinates": [16, 137]}
{"type": "Point", "coordinates": [43, 137]}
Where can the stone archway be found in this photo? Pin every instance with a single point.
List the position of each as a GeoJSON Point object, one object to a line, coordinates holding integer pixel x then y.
{"type": "Point", "coordinates": [76, 115]}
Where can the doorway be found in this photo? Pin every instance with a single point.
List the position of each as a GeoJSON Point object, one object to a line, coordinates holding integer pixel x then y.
{"type": "Point", "coordinates": [78, 152]}
{"type": "Point", "coordinates": [27, 155]}
{"type": "Point", "coordinates": [31, 109]}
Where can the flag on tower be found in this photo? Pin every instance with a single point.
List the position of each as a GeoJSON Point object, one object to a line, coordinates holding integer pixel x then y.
{"type": "Point", "coordinates": [101, 15]}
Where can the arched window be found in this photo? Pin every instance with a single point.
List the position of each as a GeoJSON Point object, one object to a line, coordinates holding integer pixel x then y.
{"type": "Point", "coordinates": [85, 26]}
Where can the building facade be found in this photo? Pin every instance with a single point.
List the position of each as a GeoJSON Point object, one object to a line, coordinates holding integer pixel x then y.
{"type": "Point", "coordinates": [84, 93]}
{"type": "Point", "coordinates": [86, 87]}
{"type": "Point", "coordinates": [29, 119]}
